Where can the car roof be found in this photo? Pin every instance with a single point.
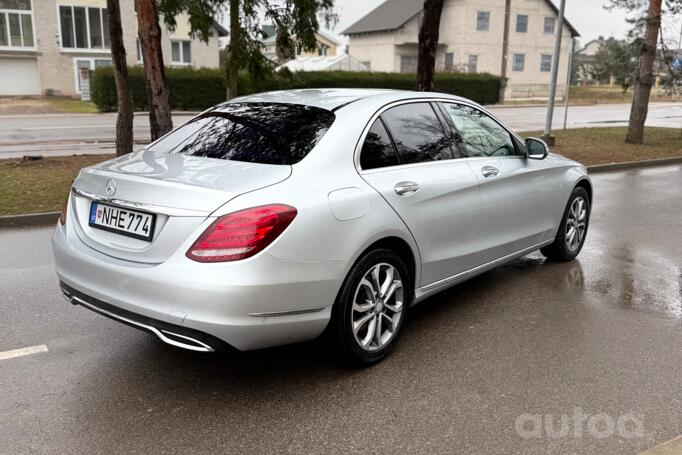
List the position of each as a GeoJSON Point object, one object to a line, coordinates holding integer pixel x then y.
{"type": "Point", "coordinates": [332, 99]}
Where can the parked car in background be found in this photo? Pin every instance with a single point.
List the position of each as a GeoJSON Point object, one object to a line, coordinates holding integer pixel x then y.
{"type": "Point", "coordinates": [274, 217]}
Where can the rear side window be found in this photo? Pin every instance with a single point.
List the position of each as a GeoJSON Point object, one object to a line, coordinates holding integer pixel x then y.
{"type": "Point", "coordinates": [378, 150]}
{"type": "Point", "coordinates": [417, 133]}
{"type": "Point", "coordinates": [265, 133]}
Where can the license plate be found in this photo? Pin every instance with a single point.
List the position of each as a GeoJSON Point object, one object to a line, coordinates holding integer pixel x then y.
{"type": "Point", "coordinates": [139, 225]}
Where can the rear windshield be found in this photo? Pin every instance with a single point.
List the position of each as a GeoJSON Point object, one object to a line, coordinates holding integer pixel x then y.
{"type": "Point", "coordinates": [265, 133]}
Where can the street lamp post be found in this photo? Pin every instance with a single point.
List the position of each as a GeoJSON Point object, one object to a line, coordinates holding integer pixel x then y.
{"type": "Point", "coordinates": [547, 136]}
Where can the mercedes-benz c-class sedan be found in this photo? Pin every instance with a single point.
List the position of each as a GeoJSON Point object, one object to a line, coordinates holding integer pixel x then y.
{"type": "Point", "coordinates": [275, 218]}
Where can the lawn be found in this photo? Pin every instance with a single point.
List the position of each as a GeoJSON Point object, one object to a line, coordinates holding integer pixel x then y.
{"type": "Point", "coordinates": [593, 146]}
{"type": "Point", "coordinates": [42, 185]}
{"type": "Point", "coordinates": [580, 95]}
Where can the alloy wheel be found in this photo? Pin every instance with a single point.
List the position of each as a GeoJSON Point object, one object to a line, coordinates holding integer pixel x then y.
{"type": "Point", "coordinates": [377, 307]}
{"type": "Point", "coordinates": [576, 224]}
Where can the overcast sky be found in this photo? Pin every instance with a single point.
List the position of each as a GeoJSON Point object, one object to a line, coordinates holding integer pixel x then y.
{"type": "Point", "coordinates": [588, 16]}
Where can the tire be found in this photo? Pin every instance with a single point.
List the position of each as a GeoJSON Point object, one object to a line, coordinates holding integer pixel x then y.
{"type": "Point", "coordinates": [359, 287]}
{"type": "Point", "coordinates": [565, 246]}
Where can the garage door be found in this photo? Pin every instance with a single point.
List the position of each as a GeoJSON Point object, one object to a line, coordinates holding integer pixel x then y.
{"type": "Point", "coordinates": [19, 76]}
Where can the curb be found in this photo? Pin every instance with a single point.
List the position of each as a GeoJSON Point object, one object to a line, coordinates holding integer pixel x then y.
{"type": "Point", "coordinates": [632, 164]}
{"type": "Point", "coordinates": [29, 220]}
{"type": "Point", "coordinates": [42, 219]}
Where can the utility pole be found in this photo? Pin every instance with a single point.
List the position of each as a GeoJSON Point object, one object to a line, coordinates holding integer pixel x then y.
{"type": "Point", "coordinates": [568, 81]}
{"type": "Point", "coordinates": [505, 51]}
{"type": "Point", "coordinates": [547, 136]}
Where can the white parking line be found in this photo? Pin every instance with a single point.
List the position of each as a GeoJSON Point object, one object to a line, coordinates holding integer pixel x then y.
{"type": "Point", "coordinates": [22, 352]}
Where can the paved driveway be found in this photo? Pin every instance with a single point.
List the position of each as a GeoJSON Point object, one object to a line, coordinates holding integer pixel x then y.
{"type": "Point", "coordinates": [597, 340]}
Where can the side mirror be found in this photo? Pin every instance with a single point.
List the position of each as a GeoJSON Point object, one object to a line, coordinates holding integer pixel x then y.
{"type": "Point", "coordinates": [536, 148]}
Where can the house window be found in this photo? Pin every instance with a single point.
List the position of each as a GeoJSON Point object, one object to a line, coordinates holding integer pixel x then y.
{"type": "Point", "coordinates": [181, 52]}
{"type": "Point", "coordinates": [546, 63]}
{"type": "Point", "coordinates": [449, 61]}
{"type": "Point", "coordinates": [549, 25]}
{"type": "Point", "coordinates": [408, 64]}
{"type": "Point", "coordinates": [472, 64]}
{"type": "Point", "coordinates": [521, 23]}
{"type": "Point", "coordinates": [519, 62]}
{"type": "Point", "coordinates": [483, 21]}
{"type": "Point", "coordinates": [16, 24]}
{"type": "Point", "coordinates": [322, 50]}
{"type": "Point", "coordinates": [84, 27]}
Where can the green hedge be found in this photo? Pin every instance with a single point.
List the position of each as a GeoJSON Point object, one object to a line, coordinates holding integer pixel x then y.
{"type": "Point", "coordinates": [199, 89]}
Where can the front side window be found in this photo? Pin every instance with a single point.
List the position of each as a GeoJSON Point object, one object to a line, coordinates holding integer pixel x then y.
{"type": "Point", "coordinates": [519, 62]}
{"type": "Point", "coordinates": [549, 25]}
{"type": "Point", "coordinates": [478, 135]}
{"type": "Point", "coordinates": [378, 149]}
{"type": "Point", "coordinates": [417, 133]}
{"type": "Point", "coordinates": [265, 133]}
{"type": "Point", "coordinates": [483, 21]}
{"type": "Point", "coordinates": [16, 26]}
{"type": "Point", "coordinates": [181, 52]}
{"type": "Point", "coordinates": [546, 63]}
{"type": "Point", "coordinates": [84, 27]}
{"type": "Point", "coordinates": [521, 23]}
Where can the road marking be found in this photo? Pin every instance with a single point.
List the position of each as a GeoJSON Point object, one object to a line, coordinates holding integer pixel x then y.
{"type": "Point", "coordinates": [22, 352]}
{"type": "Point", "coordinates": [672, 447]}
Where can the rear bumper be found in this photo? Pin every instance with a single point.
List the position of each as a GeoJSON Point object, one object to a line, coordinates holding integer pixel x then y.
{"type": "Point", "coordinates": [251, 304]}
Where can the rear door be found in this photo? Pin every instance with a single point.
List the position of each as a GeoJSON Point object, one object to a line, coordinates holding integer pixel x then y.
{"type": "Point", "coordinates": [515, 191]}
{"type": "Point", "coordinates": [408, 158]}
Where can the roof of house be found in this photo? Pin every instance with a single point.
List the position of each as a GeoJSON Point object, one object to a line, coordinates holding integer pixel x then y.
{"type": "Point", "coordinates": [317, 63]}
{"type": "Point", "coordinates": [393, 14]}
{"type": "Point", "coordinates": [222, 31]}
{"type": "Point", "coordinates": [272, 38]}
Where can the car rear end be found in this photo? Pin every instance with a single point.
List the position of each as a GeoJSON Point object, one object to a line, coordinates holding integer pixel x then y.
{"type": "Point", "coordinates": [139, 242]}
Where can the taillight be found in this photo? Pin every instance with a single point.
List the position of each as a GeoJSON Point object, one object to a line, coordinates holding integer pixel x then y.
{"type": "Point", "coordinates": [62, 216]}
{"type": "Point", "coordinates": [241, 234]}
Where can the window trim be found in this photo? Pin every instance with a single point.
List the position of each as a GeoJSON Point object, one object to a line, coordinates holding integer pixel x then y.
{"type": "Point", "coordinates": [551, 62]}
{"type": "Point", "coordinates": [182, 61]}
{"type": "Point", "coordinates": [544, 23]}
{"type": "Point", "coordinates": [516, 28]}
{"type": "Point", "coordinates": [29, 11]}
{"type": "Point", "coordinates": [370, 122]}
{"type": "Point", "coordinates": [480, 29]}
{"type": "Point", "coordinates": [81, 50]}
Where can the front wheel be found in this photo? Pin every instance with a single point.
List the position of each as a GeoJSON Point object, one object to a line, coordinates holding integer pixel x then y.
{"type": "Point", "coordinates": [370, 310]}
{"type": "Point", "coordinates": [573, 228]}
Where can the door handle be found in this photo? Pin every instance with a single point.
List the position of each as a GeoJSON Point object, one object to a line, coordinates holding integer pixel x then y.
{"type": "Point", "coordinates": [402, 188]}
{"type": "Point", "coordinates": [489, 171]}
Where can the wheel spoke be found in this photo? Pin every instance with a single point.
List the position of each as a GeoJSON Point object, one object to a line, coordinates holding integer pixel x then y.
{"type": "Point", "coordinates": [397, 308]}
{"type": "Point", "coordinates": [369, 286]}
{"type": "Point", "coordinates": [387, 282]}
{"type": "Point", "coordinates": [389, 319]}
{"type": "Point", "coordinates": [391, 290]}
{"type": "Point", "coordinates": [375, 278]}
{"type": "Point", "coordinates": [377, 331]}
{"type": "Point", "coordinates": [363, 307]}
{"type": "Point", "coordinates": [357, 325]}
{"type": "Point", "coordinates": [370, 331]}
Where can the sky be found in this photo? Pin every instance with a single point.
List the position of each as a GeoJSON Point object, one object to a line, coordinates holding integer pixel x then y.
{"type": "Point", "coordinates": [588, 16]}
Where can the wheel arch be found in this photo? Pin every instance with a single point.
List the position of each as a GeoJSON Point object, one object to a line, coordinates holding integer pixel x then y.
{"type": "Point", "coordinates": [587, 186]}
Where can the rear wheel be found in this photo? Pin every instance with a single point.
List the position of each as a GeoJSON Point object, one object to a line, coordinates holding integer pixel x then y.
{"type": "Point", "coordinates": [573, 229]}
{"type": "Point", "coordinates": [370, 310]}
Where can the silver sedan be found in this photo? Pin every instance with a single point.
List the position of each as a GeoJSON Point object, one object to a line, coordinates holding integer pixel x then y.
{"type": "Point", "coordinates": [273, 218]}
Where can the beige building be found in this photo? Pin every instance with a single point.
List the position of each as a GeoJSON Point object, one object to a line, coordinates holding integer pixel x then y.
{"type": "Point", "coordinates": [326, 47]}
{"type": "Point", "coordinates": [44, 43]}
{"type": "Point", "coordinates": [470, 40]}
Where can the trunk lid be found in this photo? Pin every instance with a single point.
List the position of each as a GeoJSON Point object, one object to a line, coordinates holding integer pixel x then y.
{"type": "Point", "coordinates": [180, 190]}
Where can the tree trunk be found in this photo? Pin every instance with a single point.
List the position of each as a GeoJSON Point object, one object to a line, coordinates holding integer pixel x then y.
{"type": "Point", "coordinates": [232, 70]}
{"type": "Point", "coordinates": [149, 31]}
{"type": "Point", "coordinates": [428, 44]}
{"type": "Point", "coordinates": [124, 120]}
{"type": "Point", "coordinates": [644, 76]}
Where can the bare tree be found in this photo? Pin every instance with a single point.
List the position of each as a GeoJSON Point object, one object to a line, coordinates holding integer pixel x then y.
{"type": "Point", "coordinates": [644, 76]}
{"type": "Point", "coordinates": [149, 31]}
{"type": "Point", "coordinates": [124, 120]}
{"type": "Point", "coordinates": [428, 44]}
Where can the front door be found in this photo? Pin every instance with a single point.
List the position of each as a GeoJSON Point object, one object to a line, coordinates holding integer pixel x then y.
{"type": "Point", "coordinates": [515, 191]}
{"type": "Point", "coordinates": [407, 157]}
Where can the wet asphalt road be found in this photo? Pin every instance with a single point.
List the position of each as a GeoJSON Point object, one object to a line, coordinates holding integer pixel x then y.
{"type": "Point", "coordinates": [600, 335]}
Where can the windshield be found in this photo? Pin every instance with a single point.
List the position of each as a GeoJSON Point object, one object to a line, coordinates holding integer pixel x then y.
{"type": "Point", "coordinates": [265, 133]}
